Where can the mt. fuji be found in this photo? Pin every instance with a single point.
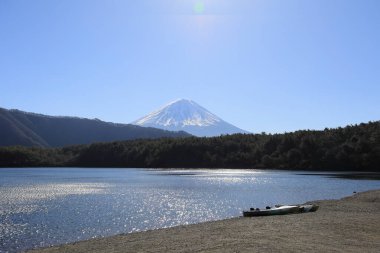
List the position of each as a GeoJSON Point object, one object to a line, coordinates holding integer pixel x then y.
{"type": "Point", "coordinates": [186, 115]}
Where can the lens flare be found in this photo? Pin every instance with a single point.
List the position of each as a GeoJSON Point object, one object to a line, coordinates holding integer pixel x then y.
{"type": "Point", "coordinates": [199, 7]}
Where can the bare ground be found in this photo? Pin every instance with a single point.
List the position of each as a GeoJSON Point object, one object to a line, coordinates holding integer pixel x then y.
{"type": "Point", "coordinates": [351, 224]}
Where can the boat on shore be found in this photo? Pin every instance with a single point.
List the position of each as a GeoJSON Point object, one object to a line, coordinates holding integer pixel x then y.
{"type": "Point", "coordinates": [308, 208]}
{"type": "Point", "coordinates": [281, 210]}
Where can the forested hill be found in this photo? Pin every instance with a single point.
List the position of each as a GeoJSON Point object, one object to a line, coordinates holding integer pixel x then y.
{"type": "Point", "coordinates": [349, 148]}
{"type": "Point", "coordinates": [30, 129]}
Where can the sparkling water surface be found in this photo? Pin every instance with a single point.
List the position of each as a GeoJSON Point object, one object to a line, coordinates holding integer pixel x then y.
{"type": "Point", "coordinates": [48, 206]}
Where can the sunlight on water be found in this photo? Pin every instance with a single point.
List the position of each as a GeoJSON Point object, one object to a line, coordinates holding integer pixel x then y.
{"type": "Point", "coordinates": [19, 201]}
{"type": "Point", "coordinates": [16, 199]}
{"type": "Point", "coordinates": [221, 176]}
{"type": "Point", "coordinates": [49, 191]}
{"type": "Point", "coordinates": [42, 207]}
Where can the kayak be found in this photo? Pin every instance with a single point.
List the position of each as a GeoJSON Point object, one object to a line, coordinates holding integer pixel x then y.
{"type": "Point", "coordinates": [281, 210]}
{"type": "Point", "coordinates": [308, 208]}
{"type": "Point", "coordinates": [305, 208]}
{"type": "Point", "coordinates": [272, 211]}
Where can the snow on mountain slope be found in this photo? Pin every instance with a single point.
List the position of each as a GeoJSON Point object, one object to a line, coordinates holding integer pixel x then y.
{"type": "Point", "coordinates": [186, 115]}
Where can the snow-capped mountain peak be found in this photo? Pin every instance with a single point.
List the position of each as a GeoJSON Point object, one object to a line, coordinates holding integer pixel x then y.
{"type": "Point", "coordinates": [187, 115]}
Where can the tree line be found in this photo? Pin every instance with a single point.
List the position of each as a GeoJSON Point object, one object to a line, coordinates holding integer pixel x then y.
{"type": "Point", "coordinates": [355, 147]}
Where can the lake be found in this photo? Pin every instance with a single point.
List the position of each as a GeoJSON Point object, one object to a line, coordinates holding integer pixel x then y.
{"type": "Point", "coordinates": [48, 206]}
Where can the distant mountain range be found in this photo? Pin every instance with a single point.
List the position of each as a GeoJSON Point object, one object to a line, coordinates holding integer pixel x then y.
{"type": "Point", "coordinates": [30, 129]}
{"type": "Point", "coordinates": [186, 115]}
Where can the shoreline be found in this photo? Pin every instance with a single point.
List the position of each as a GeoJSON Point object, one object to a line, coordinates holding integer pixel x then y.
{"type": "Point", "coordinates": [350, 224]}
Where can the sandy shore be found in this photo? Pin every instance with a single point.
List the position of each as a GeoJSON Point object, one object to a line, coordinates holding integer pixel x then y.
{"type": "Point", "coordinates": [351, 224]}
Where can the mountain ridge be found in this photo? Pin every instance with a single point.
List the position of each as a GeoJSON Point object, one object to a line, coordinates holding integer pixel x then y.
{"type": "Point", "coordinates": [32, 129]}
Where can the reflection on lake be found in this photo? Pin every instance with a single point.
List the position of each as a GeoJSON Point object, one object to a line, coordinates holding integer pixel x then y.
{"type": "Point", "coordinates": [45, 206]}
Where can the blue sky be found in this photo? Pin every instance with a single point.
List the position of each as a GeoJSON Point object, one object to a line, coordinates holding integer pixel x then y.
{"type": "Point", "coordinates": [265, 65]}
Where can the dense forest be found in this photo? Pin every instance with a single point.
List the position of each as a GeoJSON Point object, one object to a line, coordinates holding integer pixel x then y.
{"type": "Point", "coordinates": [355, 147]}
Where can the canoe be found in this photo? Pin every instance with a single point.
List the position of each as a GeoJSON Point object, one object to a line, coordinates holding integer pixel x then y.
{"type": "Point", "coordinates": [272, 211]}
